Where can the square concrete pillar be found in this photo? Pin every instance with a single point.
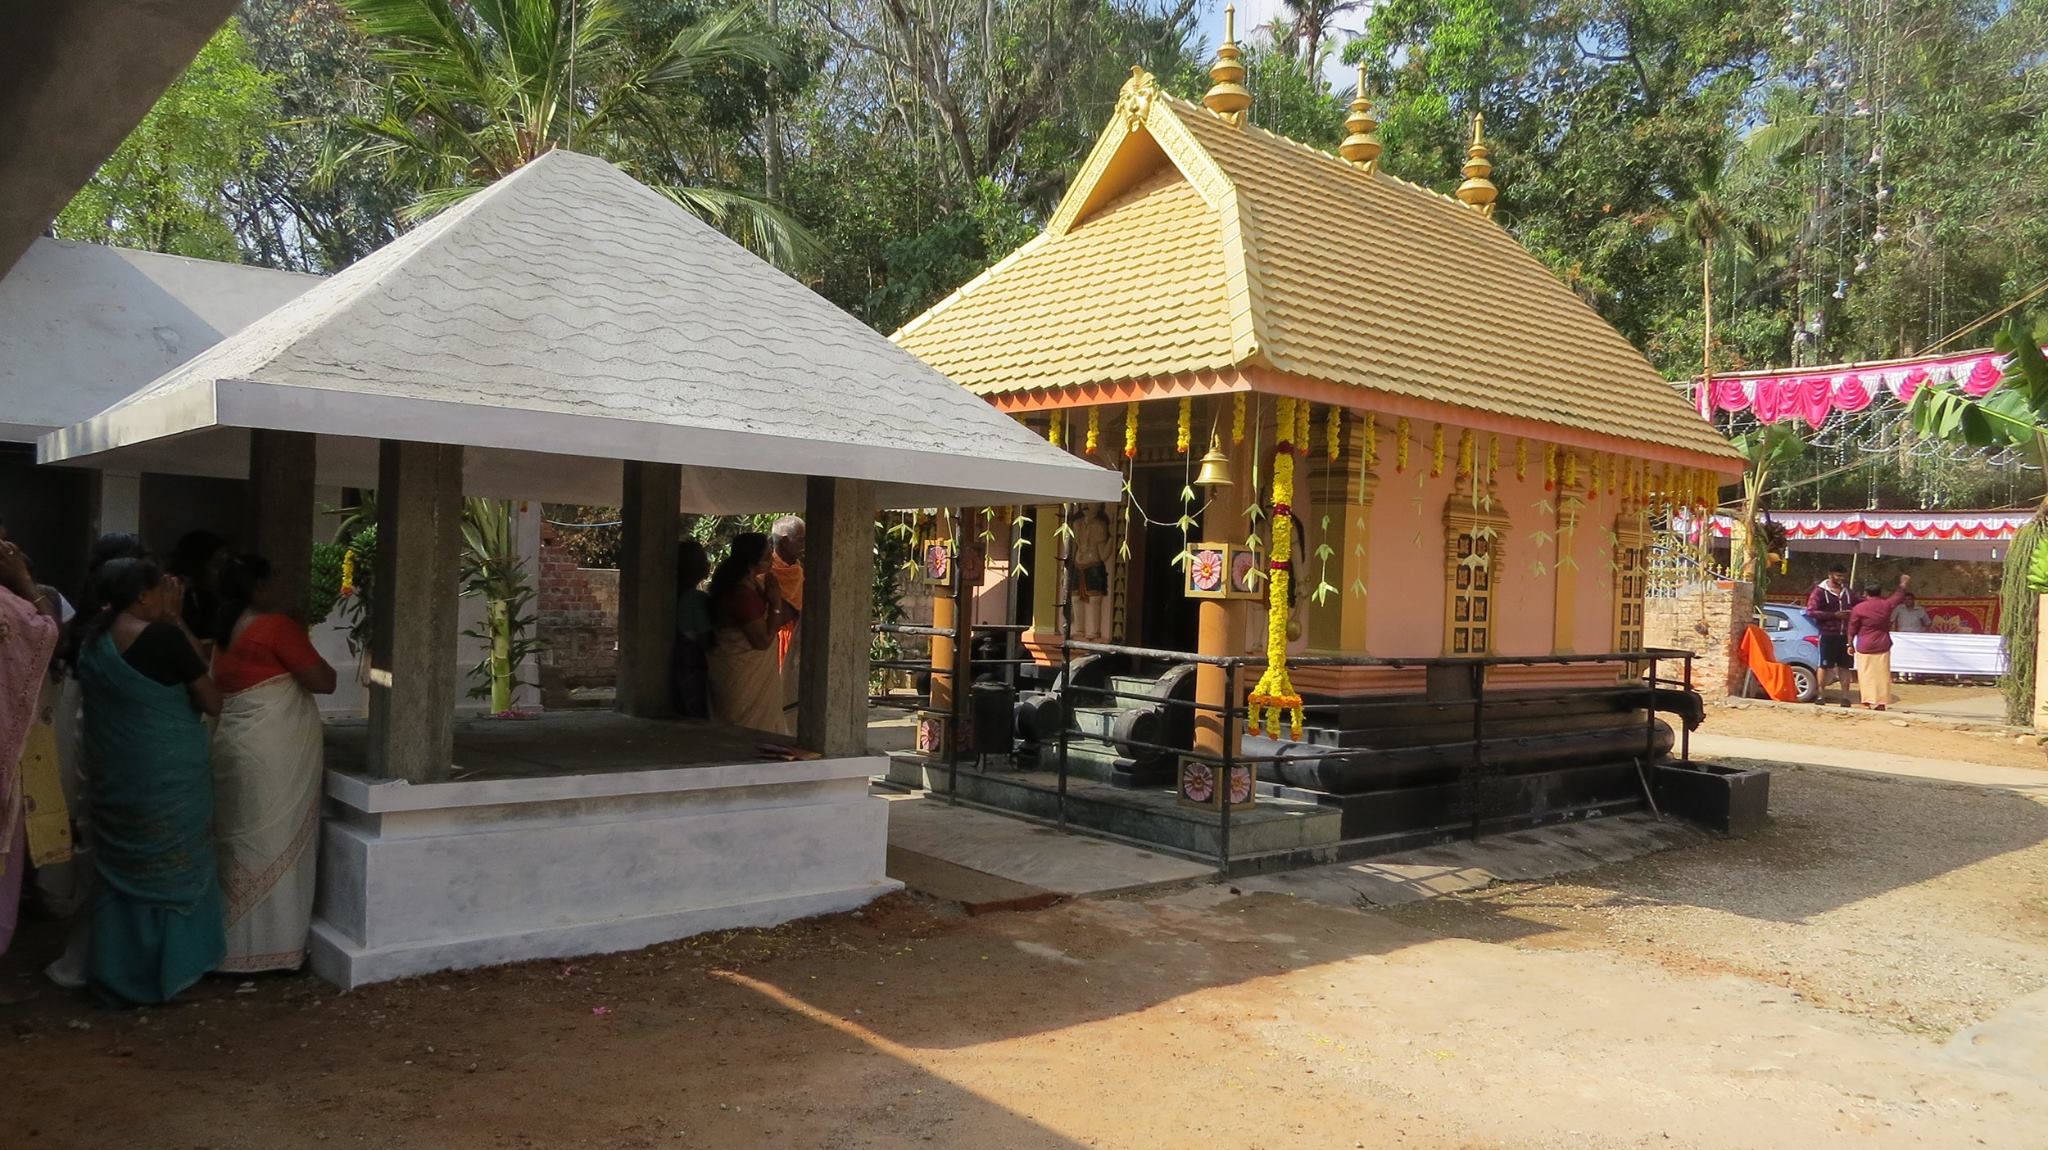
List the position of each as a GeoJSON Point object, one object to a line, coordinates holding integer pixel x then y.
{"type": "Point", "coordinates": [650, 507]}
{"type": "Point", "coordinates": [412, 634]}
{"type": "Point", "coordinates": [839, 576]}
{"type": "Point", "coordinates": [281, 465]}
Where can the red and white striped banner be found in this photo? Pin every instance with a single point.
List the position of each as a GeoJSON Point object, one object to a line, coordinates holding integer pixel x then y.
{"type": "Point", "coordinates": [1882, 525]}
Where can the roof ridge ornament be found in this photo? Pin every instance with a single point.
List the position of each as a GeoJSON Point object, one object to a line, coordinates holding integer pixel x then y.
{"type": "Point", "coordinates": [1134, 100]}
{"type": "Point", "coordinates": [1478, 192]}
{"type": "Point", "coordinates": [1361, 147]}
{"type": "Point", "coordinates": [1227, 96]}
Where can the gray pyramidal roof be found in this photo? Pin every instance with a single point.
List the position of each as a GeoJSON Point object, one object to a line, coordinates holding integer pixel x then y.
{"type": "Point", "coordinates": [566, 318]}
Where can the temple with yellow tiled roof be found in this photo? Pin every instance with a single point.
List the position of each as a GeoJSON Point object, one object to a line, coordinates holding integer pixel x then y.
{"type": "Point", "coordinates": [1396, 431]}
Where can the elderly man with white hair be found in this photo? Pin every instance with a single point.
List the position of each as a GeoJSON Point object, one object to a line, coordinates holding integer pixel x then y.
{"type": "Point", "coordinates": [786, 564]}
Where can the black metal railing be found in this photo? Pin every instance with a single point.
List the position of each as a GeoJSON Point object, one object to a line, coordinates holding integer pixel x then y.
{"type": "Point", "coordinates": [1641, 667]}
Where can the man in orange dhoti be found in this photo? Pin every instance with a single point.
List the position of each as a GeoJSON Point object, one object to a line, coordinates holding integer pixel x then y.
{"type": "Point", "coordinates": [787, 566]}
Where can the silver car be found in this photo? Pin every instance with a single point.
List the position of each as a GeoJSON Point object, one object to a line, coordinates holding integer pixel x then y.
{"type": "Point", "coordinates": [1795, 642]}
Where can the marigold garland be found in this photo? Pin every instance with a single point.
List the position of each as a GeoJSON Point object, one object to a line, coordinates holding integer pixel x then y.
{"type": "Point", "coordinates": [1549, 466]}
{"type": "Point", "coordinates": [1274, 699]}
{"type": "Point", "coordinates": [1130, 431]}
{"type": "Point", "coordinates": [348, 572]}
{"type": "Point", "coordinates": [1372, 440]}
{"type": "Point", "coordinates": [1436, 451]}
{"type": "Point", "coordinates": [1301, 439]}
{"type": "Point", "coordinates": [1492, 455]}
{"type": "Point", "coordinates": [1052, 428]}
{"type": "Point", "coordinates": [1094, 441]}
{"type": "Point", "coordinates": [1333, 431]}
{"type": "Point", "coordinates": [1571, 469]}
{"type": "Point", "coordinates": [1593, 462]}
{"type": "Point", "coordinates": [1180, 429]}
{"type": "Point", "coordinates": [1237, 405]}
{"type": "Point", "coordinates": [1401, 444]}
{"type": "Point", "coordinates": [1521, 458]}
{"type": "Point", "coordinates": [1464, 453]}
{"type": "Point", "coordinates": [1628, 479]}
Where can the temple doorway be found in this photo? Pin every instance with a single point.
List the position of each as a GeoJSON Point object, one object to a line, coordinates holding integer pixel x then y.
{"type": "Point", "coordinates": [1165, 617]}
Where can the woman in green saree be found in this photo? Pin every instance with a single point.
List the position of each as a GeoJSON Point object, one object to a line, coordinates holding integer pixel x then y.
{"type": "Point", "coordinates": [157, 916]}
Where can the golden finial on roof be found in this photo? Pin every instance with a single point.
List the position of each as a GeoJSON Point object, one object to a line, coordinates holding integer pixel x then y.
{"type": "Point", "coordinates": [1361, 147]}
{"type": "Point", "coordinates": [1477, 191]}
{"type": "Point", "coordinates": [1227, 96]}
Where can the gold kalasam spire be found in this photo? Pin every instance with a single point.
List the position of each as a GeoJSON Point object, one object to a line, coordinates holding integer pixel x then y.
{"type": "Point", "coordinates": [1360, 147]}
{"type": "Point", "coordinates": [1477, 191]}
{"type": "Point", "coordinates": [1227, 96]}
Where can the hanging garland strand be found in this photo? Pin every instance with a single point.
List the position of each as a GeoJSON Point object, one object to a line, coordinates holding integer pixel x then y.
{"type": "Point", "coordinates": [1094, 440]}
{"type": "Point", "coordinates": [1436, 451]}
{"type": "Point", "coordinates": [1052, 427]}
{"type": "Point", "coordinates": [1180, 430]}
{"type": "Point", "coordinates": [1521, 458]}
{"type": "Point", "coordinates": [1372, 440]}
{"type": "Point", "coordinates": [1401, 445]}
{"type": "Point", "coordinates": [1237, 419]}
{"type": "Point", "coordinates": [1273, 699]}
{"type": "Point", "coordinates": [1334, 432]}
{"type": "Point", "coordinates": [1130, 431]}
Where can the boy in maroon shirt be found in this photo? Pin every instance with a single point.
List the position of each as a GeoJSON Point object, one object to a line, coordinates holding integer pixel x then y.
{"type": "Point", "coordinates": [1828, 606]}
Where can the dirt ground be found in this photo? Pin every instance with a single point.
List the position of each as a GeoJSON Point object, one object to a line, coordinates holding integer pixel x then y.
{"type": "Point", "coordinates": [1796, 989]}
{"type": "Point", "coordinates": [1901, 733]}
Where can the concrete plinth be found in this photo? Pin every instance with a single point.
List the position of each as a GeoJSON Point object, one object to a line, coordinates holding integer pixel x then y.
{"type": "Point", "coordinates": [416, 879]}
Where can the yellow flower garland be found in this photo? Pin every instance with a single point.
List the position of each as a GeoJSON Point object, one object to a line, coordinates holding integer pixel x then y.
{"type": "Point", "coordinates": [1521, 458]}
{"type": "Point", "coordinates": [1372, 440]}
{"type": "Point", "coordinates": [1549, 466]}
{"type": "Point", "coordinates": [1492, 455]}
{"type": "Point", "coordinates": [1333, 431]}
{"type": "Point", "coordinates": [1094, 441]}
{"type": "Point", "coordinates": [1180, 430]}
{"type": "Point", "coordinates": [348, 572]}
{"type": "Point", "coordinates": [1274, 699]}
{"type": "Point", "coordinates": [1237, 419]}
{"type": "Point", "coordinates": [1052, 428]}
{"type": "Point", "coordinates": [1464, 453]}
{"type": "Point", "coordinates": [1571, 469]}
{"type": "Point", "coordinates": [1401, 444]}
{"type": "Point", "coordinates": [1130, 431]}
{"type": "Point", "coordinates": [1593, 462]}
{"type": "Point", "coordinates": [1436, 451]}
{"type": "Point", "coordinates": [1301, 428]}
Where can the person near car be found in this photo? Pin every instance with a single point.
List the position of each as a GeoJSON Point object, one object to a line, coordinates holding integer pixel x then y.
{"type": "Point", "coordinates": [1911, 616]}
{"type": "Point", "coordinates": [1870, 634]}
{"type": "Point", "coordinates": [1828, 606]}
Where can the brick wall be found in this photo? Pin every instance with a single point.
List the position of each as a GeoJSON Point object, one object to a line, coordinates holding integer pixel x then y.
{"type": "Point", "coordinates": [578, 609]}
{"type": "Point", "coordinates": [1708, 620]}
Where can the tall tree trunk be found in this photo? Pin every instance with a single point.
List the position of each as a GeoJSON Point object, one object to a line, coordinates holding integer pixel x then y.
{"type": "Point", "coordinates": [771, 126]}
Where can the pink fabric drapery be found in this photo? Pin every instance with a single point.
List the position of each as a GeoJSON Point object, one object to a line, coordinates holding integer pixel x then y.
{"type": "Point", "coordinates": [1814, 394]}
{"type": "Point", "coordinates": [27, 637]}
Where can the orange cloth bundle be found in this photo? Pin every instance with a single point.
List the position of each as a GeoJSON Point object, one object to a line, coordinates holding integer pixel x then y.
{"type": "Point", "coordinates": [1774, 677]}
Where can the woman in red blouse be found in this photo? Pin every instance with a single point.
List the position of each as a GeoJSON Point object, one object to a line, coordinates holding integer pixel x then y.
{"type": "Point", "coordinates": [266, 769]}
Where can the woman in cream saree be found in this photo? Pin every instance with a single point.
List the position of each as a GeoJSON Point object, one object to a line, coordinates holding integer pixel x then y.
{"type": "Point", "coordinates": [746, 607]}
{"type": "Point", "coordinates": [267, 771]}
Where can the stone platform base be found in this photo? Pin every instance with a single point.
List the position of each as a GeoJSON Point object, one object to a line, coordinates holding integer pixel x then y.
{"type": "Point", "coordinates": [416, 879]}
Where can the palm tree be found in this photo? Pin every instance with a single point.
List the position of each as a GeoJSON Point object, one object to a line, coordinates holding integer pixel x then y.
{"type": "Point", "coordinates": [480, 88]}
{"type": "Point", "coordinates": [1311, 25]}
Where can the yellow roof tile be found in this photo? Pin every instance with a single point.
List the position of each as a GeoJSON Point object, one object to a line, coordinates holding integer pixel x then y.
{"type": "Point", "coordinates": [1188, 244]}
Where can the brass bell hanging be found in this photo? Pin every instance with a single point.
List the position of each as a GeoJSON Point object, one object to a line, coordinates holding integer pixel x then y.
{"type": "Point", "coordinates": [1215, 470]}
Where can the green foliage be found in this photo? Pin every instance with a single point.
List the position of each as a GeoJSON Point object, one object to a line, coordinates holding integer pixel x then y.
{"type": "Point", "coordinates": [169, 187]}
{"type": "Point", "coordinates": [885, 599]}
{"type": "Point", "coordinates": [356, 606]}
{"type": "Point", "coordinates": [2019, 596]}
{"type": "Point", "coordinates": [493, 572]}
{"type": "Point", "coordinates": [326, 582]}
{"type": "Point", "coordinates": [479, 90]}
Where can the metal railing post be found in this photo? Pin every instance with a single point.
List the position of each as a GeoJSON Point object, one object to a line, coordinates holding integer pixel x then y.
{"type": "Point", "coordinates": [1478, 762]}
{"type": "Point", "coordinates": [1229, 764]}
{"type": "Point", "coordinates": [1650, 716]}
{"type": "Point", "coordinates": [1685, 728]}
